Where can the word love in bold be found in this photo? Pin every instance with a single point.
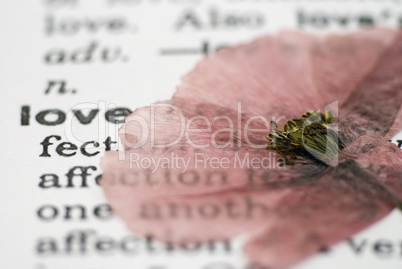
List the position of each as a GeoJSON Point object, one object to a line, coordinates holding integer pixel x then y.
{"type": "Point", "coordinates": [53, 117]}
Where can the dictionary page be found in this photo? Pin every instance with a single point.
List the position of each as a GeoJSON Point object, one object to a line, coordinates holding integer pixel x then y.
{"type": "Point", "coordinates": [73, 69]}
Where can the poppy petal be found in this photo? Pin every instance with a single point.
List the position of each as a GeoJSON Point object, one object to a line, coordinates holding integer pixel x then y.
{"type": "Point", "coordinates": [363, 188]}
{"type": "Point", "coordinates": [375, 103]}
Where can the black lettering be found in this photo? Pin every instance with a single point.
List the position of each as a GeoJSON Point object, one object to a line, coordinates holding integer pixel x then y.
{"type": "Point", "coordinates": [84, 151]}
{"type": "Point", "coordinates": [84, 55]}
{"type": "Point", "coordinates": [79, 239]}
{"type": "Point", "coordinates": [85, 119]}
{"type": "Point", "coordinates": [105, 244]}
{"type": "Point", "coordinates": [83, 174]}
{"type": "Point", "coordinates": [69, 209]}
{"type": "Point", "coordinates": [189, 18]}
{"type": "Point", "coordinates": [25, 115]}
{"type": "Point", "coordinates": [189, 178]}
{"type": "Point", "coordinates": [45, 143]}
{"type": "Point", "coordinates": [61, 89]}
{"type": "Point", "coordinates": [109, 57]}
{"type": "Point", "coordinates": [383, 248]}
{"type": "Point", "coordinates": [117, 115]}
{"type": "Point", "coordinates": [46, 246]}
{"type": "Point", "coordinates": [129, 244]}
{"type": "Point", "coordinates": [366, 21]}
{"type": "Point", "coordinates": [56, 56]}
{"type": "Point", "coordinates": [208, 211]}
{"type": "Point", "coordinates": [60, 117]}
{"type": "Point", "coordinates": [47, 212]}
{"type": "Point", "coordinates": [150, 211]}
{"type": "Point", "coordinates": [357, 248]}
{"type": "Point", "coordinates": [252, 207]}
{"type": "Point", "coordinates": [108, 142]}
{"type": "Point", "coordinates": [103, 212]}
{"type": "Point", "coordinates": [49, 181]}
{"type": "Point", "coordinates": [66, 146]}
{"type": "Point", "coordinates": [231, 210]}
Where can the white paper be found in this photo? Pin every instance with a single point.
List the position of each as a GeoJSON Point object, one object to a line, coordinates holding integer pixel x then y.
{"type": "Point", "coordinates": [51, 42]}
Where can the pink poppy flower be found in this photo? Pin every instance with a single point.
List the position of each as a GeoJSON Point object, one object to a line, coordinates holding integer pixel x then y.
{"type": "Point", "coordinates": [196, 168]}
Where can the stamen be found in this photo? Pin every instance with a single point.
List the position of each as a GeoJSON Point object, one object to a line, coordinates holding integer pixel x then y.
{"type": "Point", "coordinates": [309, 137]}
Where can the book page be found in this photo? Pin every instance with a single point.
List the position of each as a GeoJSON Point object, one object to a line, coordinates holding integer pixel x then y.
{"type": "Point", "coordinates": [72, 70]}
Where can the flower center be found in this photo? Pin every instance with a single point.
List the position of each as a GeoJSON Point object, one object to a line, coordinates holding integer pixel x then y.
{"type": "Point", "coordinates": [308, 137]}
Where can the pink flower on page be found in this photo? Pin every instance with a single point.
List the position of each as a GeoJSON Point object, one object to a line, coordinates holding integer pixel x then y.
{"type": "Point", "coordinates": [196, 169]}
